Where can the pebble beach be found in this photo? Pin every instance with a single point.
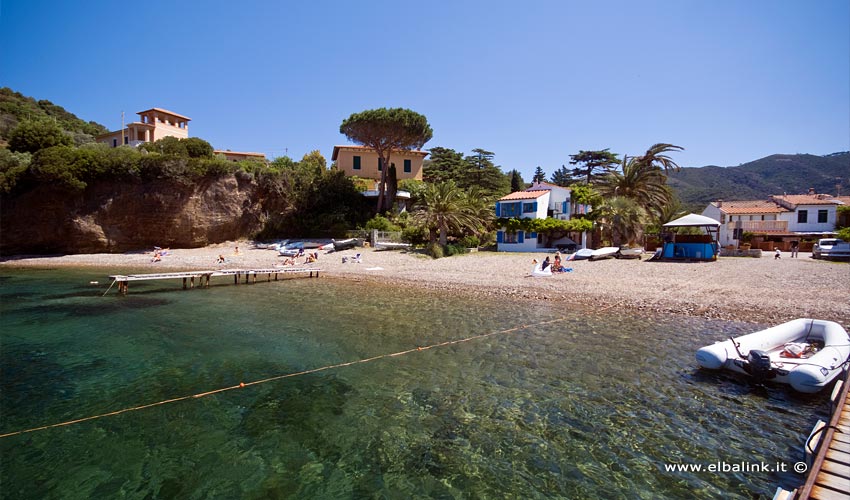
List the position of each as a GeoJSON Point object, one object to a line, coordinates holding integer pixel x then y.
{"type": "Point", "coordinates": [759, 290]}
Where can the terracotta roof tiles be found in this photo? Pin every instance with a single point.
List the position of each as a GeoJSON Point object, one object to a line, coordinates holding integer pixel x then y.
{"type": "Point", "coordinates": [751, 207]}
{"type": "Point", "coordinates": [524, 195]}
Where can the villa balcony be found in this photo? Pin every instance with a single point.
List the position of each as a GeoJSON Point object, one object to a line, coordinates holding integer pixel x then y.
{"type": "Point", "coordinates": [760, 226]}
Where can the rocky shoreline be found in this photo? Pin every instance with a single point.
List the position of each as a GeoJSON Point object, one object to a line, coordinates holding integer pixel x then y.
{"type": "Point", "coordinates": [760, 290]}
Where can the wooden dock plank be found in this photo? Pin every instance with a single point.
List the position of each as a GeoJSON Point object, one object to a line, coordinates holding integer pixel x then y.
{"type": "Point", "coordinates": [836, 469]}
{"type": "Point", "coordinates": [205, 275]}
{"type": "Point", "coordinates": [839, 446]}
{"type": "Point", "coordinates": [820, 493]}
{"type": "Point", "coordinates": [834, 482]}
{"type": "Point", "coordinates": [839, 457]}
{"type": "Point", "coordinates": [829, 475]}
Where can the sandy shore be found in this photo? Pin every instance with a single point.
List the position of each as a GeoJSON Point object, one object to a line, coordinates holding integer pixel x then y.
{"type": "Point", "coordinates": [761, 290]}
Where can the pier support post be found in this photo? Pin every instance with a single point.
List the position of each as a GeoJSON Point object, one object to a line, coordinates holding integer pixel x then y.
{"type": "Point", "coordinates": [184, 283]}
{"type": "Point", "coordinates": [191, 282]}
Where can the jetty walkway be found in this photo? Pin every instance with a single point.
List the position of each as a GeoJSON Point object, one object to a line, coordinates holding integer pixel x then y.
{"type": "Point", "coordinates": [203, 276]}
{"type": "Point", "coordinates": [828, 453]}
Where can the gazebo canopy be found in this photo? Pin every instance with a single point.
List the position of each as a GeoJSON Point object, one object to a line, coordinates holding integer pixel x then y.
{"type": "Point", "coordinates": [693, 220]}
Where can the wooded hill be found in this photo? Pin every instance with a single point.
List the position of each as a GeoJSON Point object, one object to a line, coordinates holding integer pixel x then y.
{"type": "Point", "coordinates": [756, 180]}
{"type": "Point", "coordinates": [16, 107]}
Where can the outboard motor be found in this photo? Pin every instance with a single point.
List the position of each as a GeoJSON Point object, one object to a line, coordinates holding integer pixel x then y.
{"type": "Point", "coordinates": [758, 365]}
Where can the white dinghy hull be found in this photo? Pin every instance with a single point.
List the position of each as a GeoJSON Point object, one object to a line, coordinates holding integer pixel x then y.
{"type": "Point", "coordinates": [760, 354]}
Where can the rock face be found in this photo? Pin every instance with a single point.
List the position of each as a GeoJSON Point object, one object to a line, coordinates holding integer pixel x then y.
{"type": "Point", "coordinates": [118, 217]}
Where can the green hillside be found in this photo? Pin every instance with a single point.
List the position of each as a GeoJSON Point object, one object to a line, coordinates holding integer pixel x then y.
{"type": "Point", "coordinates": [775, 174]}
{"type": "Point", "coordinates": [16, 107]}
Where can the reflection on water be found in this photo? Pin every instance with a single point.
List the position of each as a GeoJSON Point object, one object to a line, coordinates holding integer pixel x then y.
{"type": "Point", "coordinates": [591, 406]}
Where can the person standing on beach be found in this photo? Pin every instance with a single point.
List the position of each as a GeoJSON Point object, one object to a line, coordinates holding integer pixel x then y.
{"type": "Point", "coordinates": [795, 245]}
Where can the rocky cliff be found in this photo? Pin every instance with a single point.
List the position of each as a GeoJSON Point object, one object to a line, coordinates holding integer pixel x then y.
{"type": "Point", "coordinates": [118, 217]}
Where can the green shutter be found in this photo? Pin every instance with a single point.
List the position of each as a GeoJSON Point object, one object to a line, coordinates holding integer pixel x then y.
{"type": "Point", "coordinates": [356, 163]}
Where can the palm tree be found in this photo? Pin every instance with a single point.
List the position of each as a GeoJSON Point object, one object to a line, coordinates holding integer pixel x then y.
{"type": "Point", "coordinates": [641, 181]}
{"type": "Point", "coordinates": [443, 208]}
{"type": "Point", "coordinates": [654, 155]}
{"type": "Point", "coordinates": [621, 219]}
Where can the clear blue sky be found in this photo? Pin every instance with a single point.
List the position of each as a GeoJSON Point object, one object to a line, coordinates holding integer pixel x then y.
{"type": "Point", "coordinates": [730, 81]}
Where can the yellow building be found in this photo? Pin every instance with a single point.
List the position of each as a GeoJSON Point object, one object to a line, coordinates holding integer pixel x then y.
{"type": "Point", "coordinates": [363, 161]}
{"type": "Point", "coordinates": [239, 155]}
{"type": "Point", "coordinates": [154, 124]}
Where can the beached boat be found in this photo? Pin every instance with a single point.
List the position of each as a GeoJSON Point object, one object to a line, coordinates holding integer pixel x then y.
{"type": "Point", "coordinates": [582, 254]}
{"type": "Point", "coordinates": [604, 253]}
{"type": "Point", "coordinates": [805, 353]}
{"type": "Point", "coordinates": [348, 244]}
{"type": "Point", "coordinates": [389, 245]}
{"type": "Point", "coordinates": [629, 253]}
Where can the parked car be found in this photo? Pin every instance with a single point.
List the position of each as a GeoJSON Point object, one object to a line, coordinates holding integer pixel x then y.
{"type": "Point", "coordinates": [831, 248]}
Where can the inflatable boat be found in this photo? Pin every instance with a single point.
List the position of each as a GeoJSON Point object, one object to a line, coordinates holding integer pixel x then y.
{"type": "Point", "coordinates": [805, 353]}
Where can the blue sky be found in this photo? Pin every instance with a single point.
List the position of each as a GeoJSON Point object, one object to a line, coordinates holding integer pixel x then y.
{"type": "Point", "coordinates": [730, 81]}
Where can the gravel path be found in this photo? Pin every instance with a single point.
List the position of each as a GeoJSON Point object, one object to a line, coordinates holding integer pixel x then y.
{"type": "Point", "coordinates": [761, 290]}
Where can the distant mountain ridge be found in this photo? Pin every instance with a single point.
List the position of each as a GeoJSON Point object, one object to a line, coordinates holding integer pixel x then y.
{"type": "Point", "coordinates": [756, 180]}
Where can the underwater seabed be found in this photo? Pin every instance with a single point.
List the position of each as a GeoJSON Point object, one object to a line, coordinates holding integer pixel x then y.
{"type": "Point", "coordinates": [580, 403]}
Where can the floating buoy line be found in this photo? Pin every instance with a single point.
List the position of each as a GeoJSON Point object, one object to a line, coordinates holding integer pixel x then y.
{"type": "Point", "coordinates": [243, 385]}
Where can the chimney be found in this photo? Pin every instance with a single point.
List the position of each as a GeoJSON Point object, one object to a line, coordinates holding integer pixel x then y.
{"type": "Point", "coordinates": [719, 203]}
{"type": "Point", "coordinates": [811, 190]}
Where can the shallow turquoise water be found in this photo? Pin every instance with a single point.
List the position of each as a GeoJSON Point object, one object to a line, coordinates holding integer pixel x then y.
{"type": "Point", "coordinates": [589, 407]}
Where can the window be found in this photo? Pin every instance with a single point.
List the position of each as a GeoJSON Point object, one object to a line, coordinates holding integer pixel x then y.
{"type": "Point", "coordinates": [823, 216]}
{"type": "Point", "coordinates": [356, 163]}
{"type": "Point", "coordinates": [407, 167]}
{"type": "Point", "coordinates": [510, 237]}
{"type": "Point", "coordinates": [802, 216]}
{"type": "Point", "coordinates": [529, 207]}
{"type": "Point", "coordinates": [510, 209]}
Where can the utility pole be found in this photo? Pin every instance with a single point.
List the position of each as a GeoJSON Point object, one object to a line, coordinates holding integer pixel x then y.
{"type": "Point", "coordinates": [122, 128]}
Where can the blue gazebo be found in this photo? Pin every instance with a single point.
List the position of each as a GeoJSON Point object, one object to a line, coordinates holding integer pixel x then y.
{"type": "Point", "coordinates": [701, 247]}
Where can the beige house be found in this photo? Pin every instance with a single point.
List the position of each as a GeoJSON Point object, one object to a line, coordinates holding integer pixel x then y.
{"type": "Point", "coordinates": [239, 156]}
{"type": "Point", "coordinates": [362, 161]}
{"type": "Point", "coordinates": [154, 124]}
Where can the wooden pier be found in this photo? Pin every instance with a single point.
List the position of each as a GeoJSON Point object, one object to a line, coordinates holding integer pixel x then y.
{"type": "Point", "coordinates": [828, 452]}
{"type": "Point", "coordinates": [203, 277]}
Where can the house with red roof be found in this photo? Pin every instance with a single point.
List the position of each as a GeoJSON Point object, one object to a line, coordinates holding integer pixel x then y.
{"type": "Point", "coordinates": [540, 201]}
{"type": "Point", "coordinates": [780, 219]}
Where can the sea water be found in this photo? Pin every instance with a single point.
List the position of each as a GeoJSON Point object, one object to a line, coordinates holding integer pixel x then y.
{"type": "Point", "coordinates": [561, 402]}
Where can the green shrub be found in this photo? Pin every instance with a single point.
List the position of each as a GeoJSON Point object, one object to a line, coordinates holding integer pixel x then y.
{"type": "Point", "coordinates": [844, 233]}
{"type": "Point", "coordinates": [470, 241]}
{"type": "Point", "coordinates": [381, 223]}
{"type": "Point", "coordinates": [12, 168]}
{"type": "Point", "coordinates": [435, 250]}
{"type": "Point", "coordinates": [415, 235]}
{"type": "Point", "coordinates": [455, 249]}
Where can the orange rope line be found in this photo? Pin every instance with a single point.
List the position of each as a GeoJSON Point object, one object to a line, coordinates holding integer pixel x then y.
{"type": "Point", "coordinates": [280, 377]}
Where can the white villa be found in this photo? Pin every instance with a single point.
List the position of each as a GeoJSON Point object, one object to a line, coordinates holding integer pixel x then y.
{"type": "Point", "coordinates": [542, 200]}
{"type": "Point", "coordinates": [780, 219]}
